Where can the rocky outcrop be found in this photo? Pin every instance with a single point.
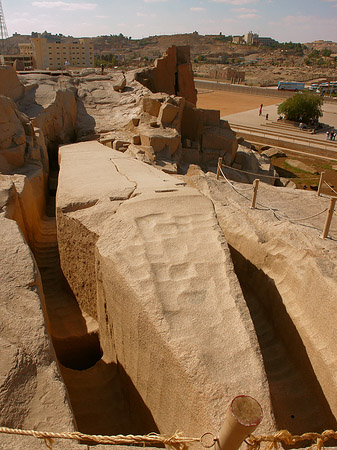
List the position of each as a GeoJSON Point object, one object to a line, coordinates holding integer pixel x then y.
{"type": "Point", "coordinates": [10, 85]}
{"type": "Point", "coordinates": [170, 133]}
{"type": "Point", "coordinates": [144, 256]}
{"type": "Point", "coordinates": [20, 143]}
{"type": "Point", "coordinates": [286, 271]}
{"type": "Point", "coordinates": [249, 165]}
{"type": "Point", "coordinates": [32, 393]}
{"type": "Point", "coordinates": [172, 74]}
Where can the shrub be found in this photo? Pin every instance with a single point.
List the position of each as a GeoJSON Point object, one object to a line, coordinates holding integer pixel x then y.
{"type": "Point", "coordinates": [309, 106]}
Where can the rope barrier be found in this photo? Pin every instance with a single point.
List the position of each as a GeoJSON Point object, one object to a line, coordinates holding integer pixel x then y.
{"type": "Point", "coordinates": [305, 218]}
{"type": "Point", "coordinates": [250, 173]}
{"type": "Point", "coordinates": [177, 440]}
{"type": "Point", "coordinates": [276, 213]}
{"type": "Point", "coordinates": [284, 437]}
{"type": "Point", "coordinates": [234, 187]}
{"type": "Point", "coordinates": [261, 175]}
{"type": "Point", "coordinates": [330, 187]}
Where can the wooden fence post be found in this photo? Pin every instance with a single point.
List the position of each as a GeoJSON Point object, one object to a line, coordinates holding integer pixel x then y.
{"type": "Point", "coordinates": [320, 184]}
{"type": "Point", "coordinates": [329, 217]}
{"type": "Point", "coordinates": [243, 416]}
{"type": "Point", "coordinates": [255, 187]}
{"type": "Point", "coordinates": [219, 167]}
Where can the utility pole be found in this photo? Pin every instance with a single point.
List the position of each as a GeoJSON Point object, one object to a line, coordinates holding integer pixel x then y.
{"type": "Point", "coordinates": [3, 30]}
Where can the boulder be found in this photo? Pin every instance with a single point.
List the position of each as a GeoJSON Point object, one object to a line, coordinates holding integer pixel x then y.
{"type": "Point", "coordinates": [151, 105]}
{"type": "Point", "coordinates": [301, 166]}
{"type": "Point", "coordinates": [274, 153]}
{"type": "Point", "coordinates": [10, 85]}
{"type": "Point", "coordinates": [119, 84]}
{"type": "Point", "coordinates": [285, 182]}
{"type": "Point", "coordinates": [163, 140]}
{"type": "Point", "coordinates": [168, 113]}
{"type": "Point", "coordinates": [258, 166]}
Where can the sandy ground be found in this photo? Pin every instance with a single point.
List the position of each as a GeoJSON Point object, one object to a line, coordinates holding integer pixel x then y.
{"type": "Point", "coordinates": [231, 102]}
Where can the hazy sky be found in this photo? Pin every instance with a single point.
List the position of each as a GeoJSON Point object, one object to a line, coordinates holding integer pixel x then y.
{"type": "Point", "coordinates": [284, 20]}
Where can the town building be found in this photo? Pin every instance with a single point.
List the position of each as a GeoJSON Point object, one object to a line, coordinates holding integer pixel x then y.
{"type": "Point", "coordinates": [58, 55]}
{"type": "Point", "coordinates": [237, 39]}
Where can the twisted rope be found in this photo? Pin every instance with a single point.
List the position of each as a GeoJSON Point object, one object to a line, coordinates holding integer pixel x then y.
{"type": "Point", "coordinates": [304, 218]}
{"type": "Point", "coordinates": [232, 184]}
{"type": "Point", "coordinates": [250, 173]}
{"type": "Point", "coordinates": [177, 440]}
{"type": "Point", "coordinates": [284, 437]}
{"type": "Point", "coordinates": [276, 213]}
{"type": "Point", "coordinates": [329, 186]}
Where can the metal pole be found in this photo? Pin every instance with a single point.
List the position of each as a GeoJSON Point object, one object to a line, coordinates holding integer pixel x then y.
{"type": "Point", "coordinates": [320, 184]}
{"type": "Point", "coordinates": [243, 416]}
{"type": "Point", "coordinates": [256, 187]}
{"type": "Point", "coordinates": [329, 217]}
{"type": "Point", "coordinates": [219, 167]}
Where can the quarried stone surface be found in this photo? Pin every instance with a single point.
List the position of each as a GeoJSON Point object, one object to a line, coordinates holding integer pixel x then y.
{"type": "Point", "coordinates": [168, 304]}
{"type": "Point", "coordinates": [32, 393]}
{"type": "Point", "coordinates": [288, 276]}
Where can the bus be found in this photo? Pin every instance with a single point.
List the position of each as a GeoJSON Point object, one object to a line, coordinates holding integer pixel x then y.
{"type": "Point", "coordinates": [290, 86]}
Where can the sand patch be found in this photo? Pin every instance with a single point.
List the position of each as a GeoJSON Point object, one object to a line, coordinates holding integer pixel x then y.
{"type": "Point", "coordinates": [232, 102]}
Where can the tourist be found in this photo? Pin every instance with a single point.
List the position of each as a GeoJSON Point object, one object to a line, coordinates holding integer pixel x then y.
{"type": "Point", "coordinates": [102, 69]}
{"type": "Point", "coordinates": [267, 116]}
{"type": "Point", "coordinates": [260, 111]}
{"type": "Point", "coordinates": [327, 135]}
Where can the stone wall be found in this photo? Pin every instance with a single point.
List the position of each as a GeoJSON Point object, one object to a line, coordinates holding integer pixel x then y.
{"type": "Point", "coordinates": [171, 74]}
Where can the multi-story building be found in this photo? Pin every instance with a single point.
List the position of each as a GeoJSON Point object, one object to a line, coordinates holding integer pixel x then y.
{"type": "Point", "coordinates": [237, 39]}
{"type": "Point", "coordinates": [265, 41]}
{"type": "Point", "coordinates": [250, 37]}
{"type": "Point", "coordinates": [26, 49]}
{"type": "Point", "coordinates": [58, 55]}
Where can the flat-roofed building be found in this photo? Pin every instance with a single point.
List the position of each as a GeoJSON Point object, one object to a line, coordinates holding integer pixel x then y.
{"type": "Point", "coordinates": [19, 62]}
{"type": "Point", "coordinates": [26, 49]}
{"type": "Point", "coordinates": [57, 55]}
{"type": "Point", "coordinates": [237, 39]}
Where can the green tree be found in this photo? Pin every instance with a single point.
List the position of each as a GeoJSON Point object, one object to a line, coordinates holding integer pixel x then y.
{"type": "Point", "coordinates": [326, 52]}
{"type": "Point", "coordinates": [308, 106]}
